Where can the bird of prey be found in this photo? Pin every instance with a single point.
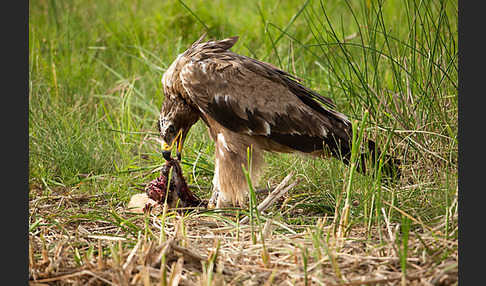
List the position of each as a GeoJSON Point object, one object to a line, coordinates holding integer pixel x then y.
{"type": "Point", "coordinates": [246, 103]}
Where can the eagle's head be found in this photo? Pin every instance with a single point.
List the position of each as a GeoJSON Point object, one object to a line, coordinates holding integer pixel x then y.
{"type": "Point", "coordinates": [175, 120]}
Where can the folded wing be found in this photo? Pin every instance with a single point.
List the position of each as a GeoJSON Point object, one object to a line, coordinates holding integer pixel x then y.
{"type": "Point", "coordinates": [255, 98]}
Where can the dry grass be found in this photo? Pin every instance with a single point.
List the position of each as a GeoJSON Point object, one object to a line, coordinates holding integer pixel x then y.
{"type": "Point", "coordinates": [71, 246]}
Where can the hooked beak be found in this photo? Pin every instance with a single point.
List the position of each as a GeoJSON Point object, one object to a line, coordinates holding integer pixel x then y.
{"type": "Point", "coordinates": [167, 149]}
{"type": "Point", "coordinates": [166, 155]}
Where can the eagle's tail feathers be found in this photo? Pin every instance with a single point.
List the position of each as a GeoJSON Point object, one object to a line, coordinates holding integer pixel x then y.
{"type": "Point", "coordinates": [368, 160]}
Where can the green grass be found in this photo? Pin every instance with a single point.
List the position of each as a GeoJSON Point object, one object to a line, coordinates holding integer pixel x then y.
{"type": "Point", "coordinates": [95, 93]}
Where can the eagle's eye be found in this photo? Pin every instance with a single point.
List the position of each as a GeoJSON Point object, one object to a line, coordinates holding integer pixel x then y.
{"type": "Point", "coordinates": [171, 129]}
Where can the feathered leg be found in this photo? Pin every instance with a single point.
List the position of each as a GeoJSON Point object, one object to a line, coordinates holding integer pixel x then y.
{"type": "Point", "coordinates": [230, 187]}
{"type": "Point", "coordinates": [214, 197]}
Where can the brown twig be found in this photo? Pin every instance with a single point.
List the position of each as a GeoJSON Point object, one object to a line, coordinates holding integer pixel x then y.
{"type": "Point", "coordinates": [279, 191]}
{"type": "Point", "coordinates": [71, 275]}
{"type": "Point", "coordinates": [185, 251]}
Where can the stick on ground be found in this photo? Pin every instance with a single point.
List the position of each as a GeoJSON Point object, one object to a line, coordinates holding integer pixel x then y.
{"type": "Point", "coordinates": [279, 191]}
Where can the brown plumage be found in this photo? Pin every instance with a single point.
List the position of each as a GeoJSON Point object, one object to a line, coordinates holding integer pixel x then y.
{"type": "Point", "coordinates": [245, 102]}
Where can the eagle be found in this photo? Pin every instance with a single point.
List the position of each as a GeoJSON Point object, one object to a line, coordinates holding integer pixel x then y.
{"type": "Point", "coordinates": [247, 103]}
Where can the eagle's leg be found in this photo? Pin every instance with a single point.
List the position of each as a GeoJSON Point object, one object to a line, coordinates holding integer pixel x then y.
{"type": "Point", "coordinates": [214, 196]}
{"type": "Point", "coordinates": [230, 184]}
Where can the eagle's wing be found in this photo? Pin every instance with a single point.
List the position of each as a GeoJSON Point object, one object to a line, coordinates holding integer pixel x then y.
{"type": "Point", "coordinates": [255, 98]}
